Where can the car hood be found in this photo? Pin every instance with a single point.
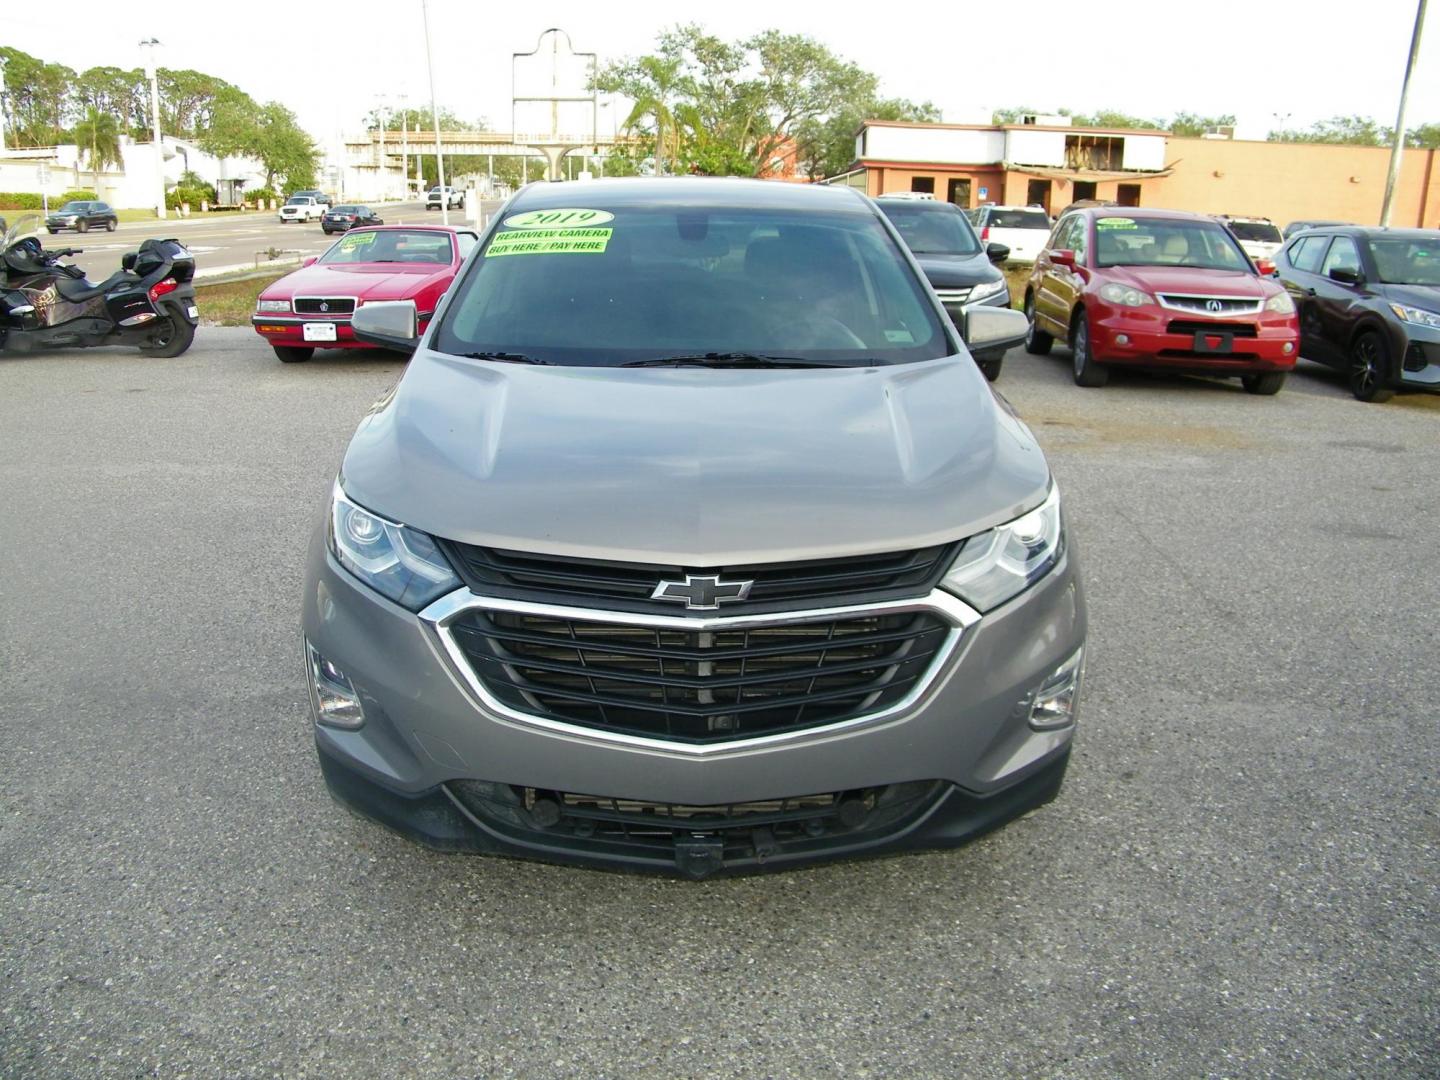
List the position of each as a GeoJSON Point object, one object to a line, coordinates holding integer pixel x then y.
{"type": "Point", "coordinates": [957, 271]}
{"type": "Point", "coordinates": [1420, 296]}
{"type": "Point", "coordinates": [694, 467]}
{"type": "Point", "coordinates": [1189, 279]}
{"type": "Point", "coordinates": [368, 281]}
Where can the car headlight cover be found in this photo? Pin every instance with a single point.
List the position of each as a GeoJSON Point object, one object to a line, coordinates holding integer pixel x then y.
{"type": "Point", "coordinates": [400, 563]}
{"type": "Point", "coordinates": [997, 565]}
{"type": "Point", "coordinates": [1124, 295]}
{"type": "Point", "coordinates": [272, 305]}
{"type": "Point", "coordinates": [987, 289]}
{"type": "Point", "coordinates": [1418, 316]}
{"type": "Point", "coordinates": [1281, 303]}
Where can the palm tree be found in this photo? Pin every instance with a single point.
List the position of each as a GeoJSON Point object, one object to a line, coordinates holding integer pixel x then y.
{"type": "Point", "coordinates": [99, 133]}
{"type": "Point", "coordinates": [663, 76]}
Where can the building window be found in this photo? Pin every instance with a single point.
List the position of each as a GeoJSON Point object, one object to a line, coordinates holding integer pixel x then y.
{"type": "Point", "coordinates": [1128, 194]}
{"type": "Point", "coordinates": [1101, 153]}
{"type": "Point", "coordinates": [1084, 189]}
{"type": "Point", "coordinates": [923, 183]}
{"type": "Point", "coordinates": [960, 192]}
{"type": "Point", "coordinates": [1037, 193]}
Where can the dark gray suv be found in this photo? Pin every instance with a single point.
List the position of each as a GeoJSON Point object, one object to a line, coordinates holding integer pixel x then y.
{"type": "Point", "coordinates": [692, 540]}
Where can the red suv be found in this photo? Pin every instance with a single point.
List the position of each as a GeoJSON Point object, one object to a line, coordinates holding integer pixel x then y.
{"type": "Point", "coordinates": [1158, 289]}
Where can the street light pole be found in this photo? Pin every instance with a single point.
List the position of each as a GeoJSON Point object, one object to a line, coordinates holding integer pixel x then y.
{"type": "Point", "coordinates": [1397, 152]}
{"type": "Point", "coordinates": [435, 114]}
{"type": "Point", "coordinates": [380, 110]}
{"type": "Point", "coordinates": [405, 145]}
{"type": "Point", "coordinates": [152, 72]}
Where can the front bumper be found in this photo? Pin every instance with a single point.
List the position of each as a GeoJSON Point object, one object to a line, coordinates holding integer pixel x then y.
{"type": "Point", "coordinates": [1418, 349]}
{"type": "Point", "coordinates": [289, 330]}
{"type": "Point", "coordinates": [427, 729]}
{"type": "Point", "coordinates": [1142, 336]}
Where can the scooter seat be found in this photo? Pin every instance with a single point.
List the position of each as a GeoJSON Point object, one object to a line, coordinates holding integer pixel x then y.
{"type": "Point", "coordinates": [77, 290]}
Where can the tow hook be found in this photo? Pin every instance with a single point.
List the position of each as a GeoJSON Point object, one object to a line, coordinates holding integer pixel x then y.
{"type": "Point", "coordinates": [699, 856]}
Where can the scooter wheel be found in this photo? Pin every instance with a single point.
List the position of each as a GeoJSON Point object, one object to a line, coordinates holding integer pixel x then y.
{"type": "Point", "coordinates": [171, 339]}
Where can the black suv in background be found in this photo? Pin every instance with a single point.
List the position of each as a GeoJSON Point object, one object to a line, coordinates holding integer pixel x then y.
{"type": "Point", "coordinates": [1369, 304]}
{"type": "Point", "coordinates": [82, 216]}
{"type": "Point", "coordinates": [960, 269]}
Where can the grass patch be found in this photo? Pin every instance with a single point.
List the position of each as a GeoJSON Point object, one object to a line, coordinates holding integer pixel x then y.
{"type": "Point", "coordinates": [231, 303]}
{"type": "Point", "coordinates": [1016, 275]}
{"type": "Point", "coordinates": [174, 215]}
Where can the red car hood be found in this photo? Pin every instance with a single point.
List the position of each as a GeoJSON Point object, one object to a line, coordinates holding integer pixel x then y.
{"type": "Point", "coordinates": [366, 281]}
{"type": "Point", "coordinates": [1190, 279]}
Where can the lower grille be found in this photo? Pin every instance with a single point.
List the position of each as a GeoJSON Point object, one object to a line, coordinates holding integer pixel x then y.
{"type": "Point", "coordinates": [699, 686]}
{"type": "Point", "coordinates": [324, 305]}
{"type": "Point", "coordinates": [1185, 326]}
{"type": "Point", "coordinates": [700, 839]}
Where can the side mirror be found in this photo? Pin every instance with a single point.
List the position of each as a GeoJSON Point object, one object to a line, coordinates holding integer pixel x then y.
{"type": "Point", "coordinates": [993, 329]}
{"type": "Point", "coordinates": [309, 260]}
{"type": "Point", "coordinates": [391, 324]}
{"type": "Point", "coordinates": [1266, 267]}
{"type": "Point", "coordinates": [1346, 276]}
{"type": "Point", "coordinates": [1063, 257]}
{"type": "Point", "coordinates": [997, 253]}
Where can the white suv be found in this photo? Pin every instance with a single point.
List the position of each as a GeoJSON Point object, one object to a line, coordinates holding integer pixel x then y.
{"type": "Point", "coordinates": [302, 208]}
{"type": "Point", "coordinates": [1023, 229]}
{"type": "Point", "coordinates": [1258, 236]}
{"type": "Point", "coordinates": [453, 199]}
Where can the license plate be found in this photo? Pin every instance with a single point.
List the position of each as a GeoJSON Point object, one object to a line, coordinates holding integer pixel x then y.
{"type": "Point", "coordinates": [318, 331]}
{"type": "Point", "coordinates": [1214, 341]}
{"type": "Point", "coordinates": [193, 311]}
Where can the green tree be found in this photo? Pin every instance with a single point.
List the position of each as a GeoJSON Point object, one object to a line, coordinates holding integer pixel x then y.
{"type": "Point", "coordinates": [123, 94]}
{"type": "Point", "coordinates": [1424, 137]}
{"type": "Point", "coordinates": [284, 150]}
{"type": "Point", "coordinates": [1191, 125]}
{"type": "Point", "coordinates": [188, 100]}
{"type": "Point", "coordinates": [38, 98]}
{"type": "Point", "coordinates": [827, 147]}
{"type": "Point", "coordinates": [99, 134]}
{"type": "Point", "coordinates": [1344, 130]}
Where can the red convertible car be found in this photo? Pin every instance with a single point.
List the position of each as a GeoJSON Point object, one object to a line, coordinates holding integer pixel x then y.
{"type": "Point", "coordinates": [311, 308]}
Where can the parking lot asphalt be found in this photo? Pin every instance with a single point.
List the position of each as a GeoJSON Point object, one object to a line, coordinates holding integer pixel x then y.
{"type": "Point", "coordinates": [1239, 879]}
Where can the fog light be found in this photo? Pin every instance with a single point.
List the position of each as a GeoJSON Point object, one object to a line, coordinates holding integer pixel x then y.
{"type": "Point", "coordinates": [1053, 704]}
{"type": "Point", "coordinates": [1289, 348]}
{"type": "Point", "coordinates": [1122, 339]}
{"type": "Point", "coordinates": [333, 697]}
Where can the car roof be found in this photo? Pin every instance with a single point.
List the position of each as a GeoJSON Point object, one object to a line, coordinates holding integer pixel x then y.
{"type": "Point", "coordinates": [1246, 218]}
{"type": "Point", "coordinates": [416, 228]}
{"type": "Point", "coordinates": [1006, 206]}
{"type": "Point", "coordinates": [1372, 231]}
{"type": "Point", "coordinates": [1141, 213]}
{"type": "Point", "coordinates": [700, 192]}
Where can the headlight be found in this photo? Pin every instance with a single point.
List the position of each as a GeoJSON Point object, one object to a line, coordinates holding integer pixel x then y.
{"type": "Point", "coordinates": [1124, 295]}
{"type": "Point", "coordinates": [400, 563]}
{"type": "Point", "coordinates": [272, 305]}
{"type": "Point", "coordinates": [987, 289]}
{"type": "Point", "coordinates": [1000, 564]}
{"type": "Point", "coordinates": [1281, 303]}
{"type": "Point", "coordinates": [1418, 316]}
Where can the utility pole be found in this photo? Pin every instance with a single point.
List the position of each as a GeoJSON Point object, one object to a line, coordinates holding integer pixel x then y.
{"type": "Point", "coordinates": [435, 114]}
{"type": "Point", "coordinates": [152, 73]}
{"type": "Point", "coordinates": [405, 144]}
{"type": "Point", "coordinates": [380, 111]}
{"type": "Point", "coordinates": [1397, 152]}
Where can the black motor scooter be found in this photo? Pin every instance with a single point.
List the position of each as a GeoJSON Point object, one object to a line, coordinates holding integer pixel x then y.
{"type": "Point", "coordinates": [149, 303]}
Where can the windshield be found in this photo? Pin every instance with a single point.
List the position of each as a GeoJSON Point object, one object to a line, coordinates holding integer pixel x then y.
{"type": "Point", "coordinates": [649, 283]}
{"type": "Point", "coordinates": [346, 210]}
{"type": "Point", "coordinates": [299, 200]}
{"type": "Point", "coordinates": [74, 207]}
{"type": "Point", "coordinates": [390, 246]}
{"type": "Point", "coordinates": [1123, 241]}
{"type": "Point", "coordinates": [20, 228]}
{"type": "Point", "coordinates": [932, 230]}
{"type": "Point", "coordinates": [1255, 230]}
{"type": "Point", "coordinates": [1407, 262]}
{"type": "Point", "coordinates": [1019, 219]}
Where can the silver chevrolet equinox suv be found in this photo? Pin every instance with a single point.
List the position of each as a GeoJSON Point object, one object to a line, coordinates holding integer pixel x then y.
{"type": "Point", "coordinates": [692, 540]}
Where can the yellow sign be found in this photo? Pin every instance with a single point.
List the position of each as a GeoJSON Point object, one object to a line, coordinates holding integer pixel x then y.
{"type": "Point", "coordinates": [549, 242]}
{"type": "Point", "coordinates": [558, 219]}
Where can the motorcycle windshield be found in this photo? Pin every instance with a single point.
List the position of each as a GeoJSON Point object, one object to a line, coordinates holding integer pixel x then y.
{"type": "Point", "coordinates": [26, 225]}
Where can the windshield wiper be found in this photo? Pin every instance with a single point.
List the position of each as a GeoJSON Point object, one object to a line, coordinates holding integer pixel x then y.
{"type": "Point", "coordinates": [729, 360]}
{"type": "Point", "coordinates": [505, 357]}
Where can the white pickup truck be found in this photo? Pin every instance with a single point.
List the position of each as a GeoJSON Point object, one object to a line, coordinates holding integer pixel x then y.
{"type": "Point", "coordinates": [302, 208]}
{"type": "Point", "coordinates": [452, 198]}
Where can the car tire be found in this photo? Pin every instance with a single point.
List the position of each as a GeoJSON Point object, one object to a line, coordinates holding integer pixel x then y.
{"type": "Point", "coordinates": [1088, 371]}
{"type": "Point", "coordinates": [1264, 384]}
{"type": "Point", "coordinates": [293, 354]}
{"type": "Point", "coordinates": [1037, 342]}
{"type": "Point", "coordinates": [990, 368]}
{"type": "Point", "coordinates": [1369, 369]}
{"type": "Point", "coordinates": [82, 225]}
{"type": "Point", "coordinates": [53, 231]}
{"type": "Point", "coordinates": [110, 225]}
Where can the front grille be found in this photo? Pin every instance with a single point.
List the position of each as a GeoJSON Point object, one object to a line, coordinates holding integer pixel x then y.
{"type": "Point", "coordinates": [626, 586]}
{"type": "Point", "coordinates": [1226, 305]}
{"type": "Point", "coordinates": [699, 686]}
{"type": "Point", "coordinates": [1183, 326]}
{"type": "Point", "coordinates": [953, 296]}
{"type": "Point", "coordinates": [699, 839]}
{"type": "Point", "coordinates": [334, 305]}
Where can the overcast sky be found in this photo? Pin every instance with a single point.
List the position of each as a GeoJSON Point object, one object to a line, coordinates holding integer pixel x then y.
{"type": "Point", "coordinates": [1295, 60]}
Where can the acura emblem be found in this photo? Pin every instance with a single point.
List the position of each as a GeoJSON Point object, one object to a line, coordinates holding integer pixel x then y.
{"type": "Point", "coordinates": [702, 593]}
{"type": "Point", "coordinates": [1214, 306]}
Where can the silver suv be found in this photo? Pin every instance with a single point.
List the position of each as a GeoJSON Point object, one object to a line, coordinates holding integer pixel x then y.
{"type": "Point", "coordinates": [692, 540]}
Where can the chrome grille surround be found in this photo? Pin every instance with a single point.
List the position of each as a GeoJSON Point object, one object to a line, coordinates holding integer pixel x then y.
{"type": "Point", "coordinates": [953, 296]}
{"type": "Point", "coordinates": [1197, 304]}
{"type": "Point", "coordinates": [443, 613]}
